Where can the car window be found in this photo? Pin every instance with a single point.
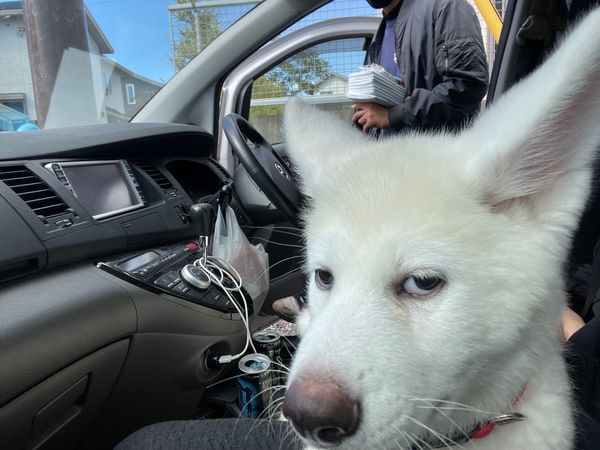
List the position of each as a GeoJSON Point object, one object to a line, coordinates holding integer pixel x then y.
{"type": "Point", "coordinates": [119, 55]}
{"type": "Point", "coordinates": [319, 74]}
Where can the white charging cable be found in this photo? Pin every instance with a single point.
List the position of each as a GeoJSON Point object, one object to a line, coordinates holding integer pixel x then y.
{"type": "Point", "coordinates": [218, 271]}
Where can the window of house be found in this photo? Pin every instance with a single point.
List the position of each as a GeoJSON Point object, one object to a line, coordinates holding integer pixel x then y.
{"type": "Point", "coordinates": [17, 105]}
{"type": "Point", "coordinates": [107, 84]}
{"type": "Point", "coordinates": [130, 90]}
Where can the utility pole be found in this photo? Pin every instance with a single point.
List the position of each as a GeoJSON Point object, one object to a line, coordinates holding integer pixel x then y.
{"type": "Point", "coordinates": [51, 28]}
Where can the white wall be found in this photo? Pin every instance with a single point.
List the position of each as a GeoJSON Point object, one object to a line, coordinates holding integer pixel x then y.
{"type": "Point", "coordinates": [115, 98]}
{"type": "Point", "coordinates": [333, 86]}
{"type": "Point", "coordinates": [15, 73]}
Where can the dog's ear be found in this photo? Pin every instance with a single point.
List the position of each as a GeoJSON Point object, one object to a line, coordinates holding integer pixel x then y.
{"type": "Point", "coordinates": [317, 141]}
{"type": "Point", "coordinates": [532, 150]}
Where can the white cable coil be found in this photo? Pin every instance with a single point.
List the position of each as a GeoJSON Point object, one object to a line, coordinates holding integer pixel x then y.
{"type": "Point", "coordinates": [218, 271]}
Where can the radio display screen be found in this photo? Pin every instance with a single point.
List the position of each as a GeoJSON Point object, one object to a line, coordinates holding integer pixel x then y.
{"type": "Point", "coordinates": [138, 261]}
{"type": "Point", "coordinates": [101, 187]}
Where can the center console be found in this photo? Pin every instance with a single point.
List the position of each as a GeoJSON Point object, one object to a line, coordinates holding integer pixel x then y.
{"type": "Point", "coordinates": [159, 270]}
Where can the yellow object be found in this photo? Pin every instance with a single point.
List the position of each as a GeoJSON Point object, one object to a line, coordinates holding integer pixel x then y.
{"type": "Point", "coordinates": [491, 16]}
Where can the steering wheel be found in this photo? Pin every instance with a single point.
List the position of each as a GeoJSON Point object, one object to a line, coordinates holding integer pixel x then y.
{"type": "Point", "coordinates": [264, 166]}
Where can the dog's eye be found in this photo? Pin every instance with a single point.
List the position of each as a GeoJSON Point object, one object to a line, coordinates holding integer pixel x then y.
{"type": "Point", "coordinates": [324, 279]}
{"type": "Point", "coordinates": [420, 285]}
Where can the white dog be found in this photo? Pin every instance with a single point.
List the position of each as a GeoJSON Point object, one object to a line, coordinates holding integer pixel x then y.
{"type": "Point", "coordinates": [436, 269]}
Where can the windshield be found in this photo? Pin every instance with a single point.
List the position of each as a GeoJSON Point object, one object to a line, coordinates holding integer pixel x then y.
{"type": "Point", "coordinates": [119, 54]}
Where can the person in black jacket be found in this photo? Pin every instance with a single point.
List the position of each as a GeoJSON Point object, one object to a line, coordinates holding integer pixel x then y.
{"type": "Point", "coordinates": [436, 48]}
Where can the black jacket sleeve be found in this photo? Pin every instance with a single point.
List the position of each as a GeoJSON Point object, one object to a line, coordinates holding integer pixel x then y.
{"type": "Point", "coordinates": [461, 61]}
{"type": "Point", "coordinates": [581, 353]}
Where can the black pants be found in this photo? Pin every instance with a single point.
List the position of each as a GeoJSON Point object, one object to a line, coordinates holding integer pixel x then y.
{"type": "Point", "coordinates": [217, 434]}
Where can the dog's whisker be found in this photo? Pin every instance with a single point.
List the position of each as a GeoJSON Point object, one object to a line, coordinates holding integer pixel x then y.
{"type": "Point", "coordinates": [454, 408]}
{"type": "Point", "coordinates": [286, 372]}
{"type": "Point", "coordinates": [289, 433]}
{"type": "Point", "coordinates": [276, 389]}
{"type": "Point", "coordinates": [403, 435]}
{"type": "Point", "coordinates": [276, 264]}
{"type": "Point", "coordinates": [245, 405]}
{"type": "Point", "coordinates": [264, 413]}
{"type": "Point", "coordinates": [274, 409]}
{"type": "Point", "coordinates": [224, 380]}
{"type": "Point", "coordinates": [237, 376]}
{"type": "Point", "coordinates": [423, 442]}
{"type": "Point", "coordinates": [397, 444]}
{"type": "Point", "coordinates": [274, 227]}
{"type": "Point", "coordinates": [444, 439]}
{"type": "Point", "coordinates": [281, 365]}
{"type": "Point", "coordinates": [289, 342]}
{"type": "Point", "coordinates": [458, 427]}
{"type": "Point", "coordinates": [458, 408]}
{"type": "Point", "coordinates": [436, 400]}
{"type": "Point", "coordinates": [412, 440]}
{"type": "Point", "coordinates": [277, 243]}
{"type": "Point", "coordinates": [258, 394]}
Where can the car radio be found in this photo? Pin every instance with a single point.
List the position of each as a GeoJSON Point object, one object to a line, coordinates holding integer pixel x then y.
{"type": "Point", "coordinates": [84, 179]}
{"type": "Point", "coordinates": [159, 270]}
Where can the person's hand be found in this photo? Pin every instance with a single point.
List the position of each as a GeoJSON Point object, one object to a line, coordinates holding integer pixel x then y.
{"type": "Point", "coordinates": [570, 323]}
{"type": "Point", "coordinates": [371, 115]}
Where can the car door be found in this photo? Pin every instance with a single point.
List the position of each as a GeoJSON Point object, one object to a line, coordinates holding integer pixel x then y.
{"type": "Point", "coordinates": [321, 56]}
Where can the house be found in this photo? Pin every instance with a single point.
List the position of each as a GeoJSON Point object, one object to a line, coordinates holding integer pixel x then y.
{"type": "Point", "coordinates": [333, 84]}
{"type": "Point", "coordinates": [11, 119]}
{"type": "Point", "coordinates": [117, 92]}
{"type": "Point", "coordinates": [125, 91]}
{"type": "Point", "coordinates": [16, 86]}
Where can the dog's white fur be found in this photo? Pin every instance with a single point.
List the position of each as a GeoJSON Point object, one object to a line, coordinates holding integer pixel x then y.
{"type": "Point", "coordinates": [492, 210]}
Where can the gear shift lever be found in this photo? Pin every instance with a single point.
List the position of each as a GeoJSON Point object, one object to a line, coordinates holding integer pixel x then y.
{"type": "Point", "coordinates": [202, 215]}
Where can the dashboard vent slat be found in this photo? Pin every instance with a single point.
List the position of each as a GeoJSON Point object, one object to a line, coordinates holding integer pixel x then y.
{"type": "Point", "coordinates": [221, 169]}
{"type": "Point", "coordinates": [36, 194]}
{"type": "Point", "coordinates": [158, 177]}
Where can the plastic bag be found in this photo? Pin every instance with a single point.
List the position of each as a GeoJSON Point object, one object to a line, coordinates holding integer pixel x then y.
{"type": "Point", "coordinates": [251, 261]}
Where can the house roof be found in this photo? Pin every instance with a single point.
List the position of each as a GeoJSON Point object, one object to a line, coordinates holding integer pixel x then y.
{"type": "Point", "coordinates": [131, 74]}
{"type": "Point", "coordinates": [15, 8]}
{"type": "Point", "coordinates": [331, 75]}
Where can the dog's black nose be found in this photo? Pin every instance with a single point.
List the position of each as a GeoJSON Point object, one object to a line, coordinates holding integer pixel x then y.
{"type": "Point", "coordinates": [321, 410]}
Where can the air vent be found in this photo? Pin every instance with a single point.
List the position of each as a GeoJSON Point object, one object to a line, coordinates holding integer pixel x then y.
{"type": "Point", "coordinates": [156, 175]}
{"type": "Point", "coordinates": [39, 197]}
{"type": "Point", "coordinates": [220, 168]}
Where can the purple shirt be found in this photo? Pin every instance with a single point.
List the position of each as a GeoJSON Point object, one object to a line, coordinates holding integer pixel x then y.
{"type": "Point", "coordinates": [388, 49]}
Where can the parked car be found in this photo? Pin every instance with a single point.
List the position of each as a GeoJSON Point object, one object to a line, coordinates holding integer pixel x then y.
{"type": "Point", "coordinates": [99, 335]}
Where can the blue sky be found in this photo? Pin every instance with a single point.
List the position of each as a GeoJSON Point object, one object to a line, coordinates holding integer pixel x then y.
{"type": "Point", "coordinates": [139, 32]}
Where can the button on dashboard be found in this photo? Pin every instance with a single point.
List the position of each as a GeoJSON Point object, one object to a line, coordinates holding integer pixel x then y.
{"type": "Point", "coordinates": [181, 288]}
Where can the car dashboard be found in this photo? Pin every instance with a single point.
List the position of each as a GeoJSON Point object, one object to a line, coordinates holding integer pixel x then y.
{"type": "Point", "coordinates": [100, 336]}
{"type": "Point", "coordinates": [102, 200]}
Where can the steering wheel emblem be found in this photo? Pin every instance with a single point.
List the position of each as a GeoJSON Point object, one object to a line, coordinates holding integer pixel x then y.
{"type": "Point", "coordinates": [281, 170]}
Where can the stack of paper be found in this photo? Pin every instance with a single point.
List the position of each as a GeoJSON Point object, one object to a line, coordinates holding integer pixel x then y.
{"type": "Point", "coordinates": [373, 84]}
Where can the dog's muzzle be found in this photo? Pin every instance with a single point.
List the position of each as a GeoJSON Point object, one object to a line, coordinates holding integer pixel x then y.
{"type": "Point", "coordinates": [321, 411]}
